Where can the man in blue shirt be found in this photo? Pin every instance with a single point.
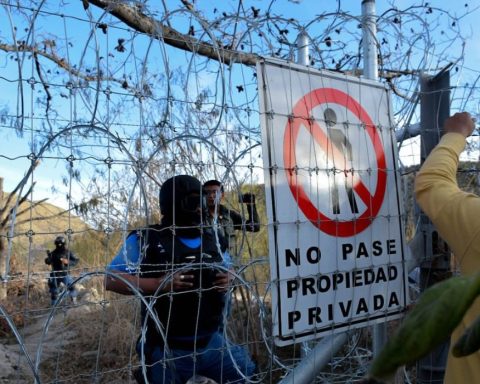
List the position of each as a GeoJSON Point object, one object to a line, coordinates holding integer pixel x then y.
{"type": "Point", "coordinates": [183, 266]}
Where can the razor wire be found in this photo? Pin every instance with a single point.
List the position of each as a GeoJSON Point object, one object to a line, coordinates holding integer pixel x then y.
{"type": "Point", "coordinates": [113, 110]}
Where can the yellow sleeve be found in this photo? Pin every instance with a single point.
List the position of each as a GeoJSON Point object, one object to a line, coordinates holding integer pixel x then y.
{"type": "Point", "coordinates": [455, 214]}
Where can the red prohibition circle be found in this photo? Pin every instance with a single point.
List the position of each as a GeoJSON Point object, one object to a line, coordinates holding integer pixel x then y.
{"type": "Point", "coordinates": [302, 116]}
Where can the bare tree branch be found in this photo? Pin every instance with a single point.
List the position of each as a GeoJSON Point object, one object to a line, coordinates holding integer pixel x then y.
{"type": "Point", "coordinates": [44, 84]}
{"type": "Point", "coordinates": [58, 60]}
{"type": "Point", "coordinates": [38, 218]}
{"type": "Point", "coordinates": [31, 206]}
{"type": "Point", "coordinates": [20, 202]}
{"type": "Point", "coordinates": [134, 18]}
{"type": "Point", "coordinates": [12, 195]}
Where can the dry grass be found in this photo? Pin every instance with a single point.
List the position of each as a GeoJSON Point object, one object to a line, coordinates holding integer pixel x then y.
{"type": "Point", "coordinates": [21, 297]}
{"type": "Point", "coordinates": [97, 341]}
{"type": "Point", "coordinates": [92, 342]}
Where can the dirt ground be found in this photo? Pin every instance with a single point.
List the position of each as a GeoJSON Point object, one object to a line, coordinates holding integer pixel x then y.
{"type": "Point", "coordinates": [73, 342]}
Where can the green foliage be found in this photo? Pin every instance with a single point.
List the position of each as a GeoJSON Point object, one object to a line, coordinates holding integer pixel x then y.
{"type": "Point", "coordinates": [437, 313]}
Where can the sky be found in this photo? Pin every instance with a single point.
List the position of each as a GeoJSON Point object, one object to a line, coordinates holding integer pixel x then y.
{"type": "Point", "coordinates": [12, 166]}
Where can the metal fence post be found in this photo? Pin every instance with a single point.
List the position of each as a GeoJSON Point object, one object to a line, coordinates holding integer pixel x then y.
{"type": "Point", "coordinates": [369, 35]}
{"type": "Point", "coordinates": [435, 108]}
{"type": "Point", "coordinates": [302, 44]}
{"type": "Point", "coordinates": [370, 71]}
{"type": "Point", "coordinates": [306, 371]}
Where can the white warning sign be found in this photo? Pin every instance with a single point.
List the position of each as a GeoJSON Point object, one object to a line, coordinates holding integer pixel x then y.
{"type": "Point", "coordinates": [336, 239]}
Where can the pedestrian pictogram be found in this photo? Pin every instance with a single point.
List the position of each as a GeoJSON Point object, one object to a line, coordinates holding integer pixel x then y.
{"type": "Point", "coordinates": [340, 141]}
{"type": "Point", "coordinates": [337, 253]}
{"type": "Point", "coordinates": [332, 139]}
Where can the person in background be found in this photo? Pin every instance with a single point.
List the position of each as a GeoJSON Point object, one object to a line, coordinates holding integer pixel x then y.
{"type": "Point", "coordinates": [227, 220]}
{"type": "Point", "coordinates": [456, 215]}
{"type": "Point", "coordinates": [61, 260]}
{"type": "Point", "coordinates": [179, 256]}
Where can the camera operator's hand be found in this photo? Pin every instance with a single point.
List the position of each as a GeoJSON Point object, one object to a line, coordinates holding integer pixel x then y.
{"type": "Point", "coordinates": [181, 281]}
{"type": "Point", "coordinates": [223, 281]}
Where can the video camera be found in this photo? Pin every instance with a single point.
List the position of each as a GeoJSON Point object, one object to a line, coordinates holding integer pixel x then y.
{"type": "Point", "coordinates": [203, 277]}
{"type": "Point", "coordinates": [204, 270]}
{"type": "Point", "coordinates": [247, 198]}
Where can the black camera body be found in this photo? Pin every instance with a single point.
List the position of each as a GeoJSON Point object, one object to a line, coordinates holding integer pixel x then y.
{"type": "Point", "coordinates": [247, 198]}
{"type": "Point", "coordinates": [204, 277]}
{"type": "Point", "coordinates": [203, 269]}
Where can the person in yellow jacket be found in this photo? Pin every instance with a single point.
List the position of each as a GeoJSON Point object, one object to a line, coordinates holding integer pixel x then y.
{"type": "Point", "coordinates": [456, 215]}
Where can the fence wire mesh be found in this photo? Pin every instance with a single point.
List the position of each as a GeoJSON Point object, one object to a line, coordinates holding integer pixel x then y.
{"type": "Point", "coordinates": [102, 101]}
